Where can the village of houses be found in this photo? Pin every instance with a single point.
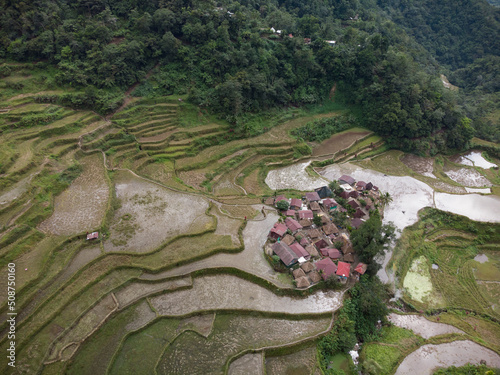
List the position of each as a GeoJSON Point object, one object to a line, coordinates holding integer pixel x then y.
{"type": "Point", "coordinates": [308, 250]}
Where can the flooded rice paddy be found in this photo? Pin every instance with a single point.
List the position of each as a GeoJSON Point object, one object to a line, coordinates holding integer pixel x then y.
{"type": "Point", "coordinates": [456, 353]}
{"type": "Point", "coordinates": [150, 214]}
{"type": "Point", "coordinates": [473, 158]}
{"type": "Point", "coordinates": [82, 206]}
{"type": "Point", "coordinates": [468, 177]}
{"type": "Point", "coordinates": [475, 190]}
{"type": "Point", "coordinates": [293, 177]}
{"type": "Point", "coordinates": [421, 326]}
{"type": "Point", "coordinates": [251, 259]}
{"type": "Point", "coordinates": [474, 206]}
{"type": "Point", "coordinates": [228, 292]}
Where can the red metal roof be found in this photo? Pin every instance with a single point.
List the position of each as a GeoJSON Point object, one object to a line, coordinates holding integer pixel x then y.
{"type": "Point", "coordinates": [290, 213]}
{"type": "Point", "coordinates": [279, 229]}
{"type": "Point", "coordinates": [343, 269]}
{"type": "Point", "coordinates": [312, 196]}
{"type": "Point", "coordinates": [347, 179]}
{"type": "Point", "coordinates": [334, 253]}
{"type": "Point", "coordinates": [361, 268]}
{"type": "Point", "coordinates": [296, 202]}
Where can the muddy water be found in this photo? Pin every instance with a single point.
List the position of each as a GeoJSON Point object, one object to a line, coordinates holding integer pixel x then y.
{"type": "Point", "coordinates": [474, 206]}
{"type": "Point", "coordinates": [421, 326]}
{"type": "Point", "coordinates": [293, 177]}
{"type": "Point", "coordinates": [457, 353]}
{"type": "Point", "coordinates": [232, 293]}
{"type": "Point", "coordinates": [423, 166]}
{"type": "Point", "coordinates": [251, 259]}
{"type": "Point", "coordinates": [474, 158]}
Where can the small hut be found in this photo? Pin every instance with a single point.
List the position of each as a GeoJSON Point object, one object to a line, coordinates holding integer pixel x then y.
{"type": "Point", "coordinates": [314, 276]}
{"type": "Point", "coordinates": [299, 272]}
{"type": "Point", "coordinates": [312, 251]}
{"type": "Point", "coordinates": [288, 239]}
{"type": "Point", "coordinates": [307, 267]}
{"type": "Point", "coordinates": [302, 282]}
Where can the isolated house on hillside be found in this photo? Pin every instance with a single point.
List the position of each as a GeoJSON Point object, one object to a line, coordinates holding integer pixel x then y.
{"type": "Point", "coordinates": [93, 236]}
{"type": "Point", "coordinates": [361, 268]}
{"type": "Point", "coordinates": [286, 254]}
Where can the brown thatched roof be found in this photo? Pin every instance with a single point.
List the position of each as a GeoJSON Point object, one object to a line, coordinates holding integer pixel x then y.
{"type": "Point", "coordinates": [269, 201]}
{"type": "Point", "coordinates": [307, 267]}
{"type": "Point", "coordinates": [315, 206]}
{"type": "Point", "coordinates": [325, 220]}
{"type": "Point", "coordinates": [347, 248]}
{"type": "Point", "coordinates": [302, 282]}
{"type": "Point", "coordinates": [288, 239]}
{"type": "Point", "coordinates": [305, 223]}
{"type": "Point", "coordinates": [330, 228]}
{"type": "Point", "coordinates": [349, 258]}
{"type": "Point", "coordinates": [314, 276]}
{"type": "Point", "coordinates": [312, 250]}
{"type": "Point", "coordinates": [299, 272]}
{"type": "Point", "coordinates": [314, 233]}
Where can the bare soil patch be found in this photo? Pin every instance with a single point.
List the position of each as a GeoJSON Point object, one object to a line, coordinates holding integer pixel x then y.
{"type": "Point", "coordinates": [423, 166]}
{"type": "Point", "coordinates": [82, 206]}
{"type": "Point", "coordinates": [300, 363]}
{"type": "Point", "coordinates": [249, 364]}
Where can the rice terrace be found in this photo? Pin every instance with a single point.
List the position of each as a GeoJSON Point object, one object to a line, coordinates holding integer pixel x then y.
{"type": "Point", "coordinates": [249, 188]}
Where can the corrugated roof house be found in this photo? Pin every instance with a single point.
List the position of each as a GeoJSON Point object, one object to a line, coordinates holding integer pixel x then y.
{"type": "Point", "coordinates": [290, 213]}
{"type": "Point", "coordinates": [354, 194]}
{"type": "Point", "coordinates": [292, 224]}
{"type": "Point", "coordinates": [344, 195]}
{"type": "Point", "coordinates": [353, 204]}
{"type": "Point", "coordinates": [361, 185]}
{"type": "Point", "coordinates": [359, 213]}
{"type": "Point", "coordinates": [277, 231]}
{"type": "Point", "coordinates": [347, 179]}
{"type": "Point", "coordinates": [312, 197]}
{"type": "Point", "coordinates": [321, 244]}
{"type": "Point", "coordinates": [369, 186]}
{"type": "Point", "coordinates": [361, 268]}
{"type": "Point", "coordinates": [330, 203]}
{"type": "Point", "coordinates": [334, 253]}
{"type": "Point", "coordinates": [356, 223]}
{"type": "Point", "coordinates": [93, 236]}
{"type": "Point", "coordinates": [306, 214]}
{"type": "Point", "coordinates": [299, 250]}
{"type": "Point", "coordinates": [296, 204]}
{"type": "Point", "coordinates": [304, 241]}
{"type": "Point", "coordinates": [343, 269]}
{"type": "Point", "coordinates": [286, 254]}
{"type": "Point", "coordinates": [327, 268]}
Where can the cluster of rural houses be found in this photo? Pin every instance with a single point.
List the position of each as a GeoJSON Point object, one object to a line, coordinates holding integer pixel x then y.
{"type": "Point", "coordinates": [322, 249]}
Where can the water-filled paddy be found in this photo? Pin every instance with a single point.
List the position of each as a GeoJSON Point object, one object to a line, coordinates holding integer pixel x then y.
{"type": "Point", "coordinates": [228, 292]}
{"type": "Point", "coordinates": [456, 353]}
{"type": "Point", "coordinates": [473, 158]}
{"type": "Point", "coordinates": [421, 326]}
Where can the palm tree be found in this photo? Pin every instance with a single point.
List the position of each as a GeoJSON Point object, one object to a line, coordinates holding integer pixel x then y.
{"type": "Point", "coordinates": [385, 199]}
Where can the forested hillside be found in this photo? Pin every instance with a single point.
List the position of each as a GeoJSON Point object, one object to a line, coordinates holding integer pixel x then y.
{"type": "Point", "coordinates": [229, 57]}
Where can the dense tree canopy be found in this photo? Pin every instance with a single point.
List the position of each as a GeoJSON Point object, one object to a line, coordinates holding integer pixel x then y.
{"type": "Point", "coordinates": [224, 55]}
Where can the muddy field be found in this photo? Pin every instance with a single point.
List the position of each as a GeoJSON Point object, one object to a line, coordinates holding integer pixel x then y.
{"type": "Point", "coordinates": [421, 326]}
{"type": "Point", "coordinates": [468, 177]}
{"type": "Point", "coordinates": [300, 363]}
{"type": "Point", "coordinates": [249, 364]}
{"type": "Point", "coordinates": [423, 166]}
{"type": "Point", "coordinates": [150, 214]}
{"type": "Point", "coordinates": [474, 206]}
{"type": "Point", "coordinates": [232, 293]}
{"type": "Point", "coordinates": [81, 207]}
{"type": "Point", "coordinates": [457, 353]}
{"type": "Point", "coordinates": [192, 354]}
{"type": "Point", "coordinates": [417, 282]}
{"type": "Point", "coordinates": [338, 142]}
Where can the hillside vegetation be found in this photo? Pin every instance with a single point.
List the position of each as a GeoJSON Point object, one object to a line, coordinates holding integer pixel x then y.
{"type": "Point", "coordinates": [224, 56]}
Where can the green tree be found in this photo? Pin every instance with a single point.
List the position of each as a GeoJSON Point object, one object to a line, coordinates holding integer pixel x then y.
{"type": "Point", "coordinates": [317, 220]}
{"type": "Point", "coordinates": [282, 205]}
